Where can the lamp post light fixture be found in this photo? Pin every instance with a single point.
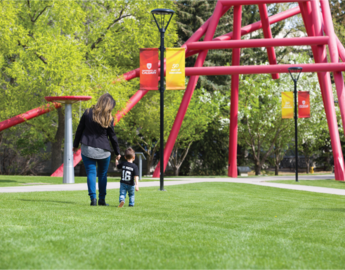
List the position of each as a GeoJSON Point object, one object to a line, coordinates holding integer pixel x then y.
{"type": "Point", "coordinates": [295, 73]}
{"type": "Point", "coordinates": [159, 15]}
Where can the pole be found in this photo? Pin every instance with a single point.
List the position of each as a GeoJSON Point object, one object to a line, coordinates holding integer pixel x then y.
{"type": "Point", "coordinates": [68, 170]}
{"type": "Point", "coordinates": [161, 89]}
{"type": "Point", "coordinates": [296, 137]}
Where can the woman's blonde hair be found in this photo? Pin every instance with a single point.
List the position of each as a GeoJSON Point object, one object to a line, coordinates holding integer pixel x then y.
{"type": "Point", "coordinates": [101, 112]}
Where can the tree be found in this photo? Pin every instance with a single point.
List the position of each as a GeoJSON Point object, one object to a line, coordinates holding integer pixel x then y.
{"type": "Point", "coordinates": [260, 117]}
{"type": "Point", "coordinates": [140, 127]}
{"type": "Point", "coordinates": [70, 48]}
{"type": "Point", "coordinates": [338, 15]}
{"type": "Point", "coordinates": [202, 111]}
{"type": "Point", "coordinates": [261, 125]}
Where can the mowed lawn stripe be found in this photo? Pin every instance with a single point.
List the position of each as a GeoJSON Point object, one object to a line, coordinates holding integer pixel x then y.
{"type": "Point", "coordinates": [204, 225]}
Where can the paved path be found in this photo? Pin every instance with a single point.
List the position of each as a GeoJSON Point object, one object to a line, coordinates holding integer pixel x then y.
{"type": "Point", "coordinates": [261, 181]}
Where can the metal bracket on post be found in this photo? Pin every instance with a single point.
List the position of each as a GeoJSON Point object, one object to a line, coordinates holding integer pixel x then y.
{"type": "Point", "coordinates": [140, 155]}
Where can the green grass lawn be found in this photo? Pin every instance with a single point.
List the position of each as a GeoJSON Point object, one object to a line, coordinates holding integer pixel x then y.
{"type": "Point", "coordinates": [204, 225]}
{"type": "Point", "coordinates": [316, 183]}
{"type": "Point", "coordinates": [17, 180]}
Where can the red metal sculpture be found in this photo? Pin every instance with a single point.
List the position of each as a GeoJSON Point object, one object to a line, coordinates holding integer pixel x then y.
{"type": "Point", "coordinates": [319, 26]}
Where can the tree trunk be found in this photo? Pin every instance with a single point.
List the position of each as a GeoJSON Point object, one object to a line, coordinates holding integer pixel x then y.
{"type": "Point", "coordinates": [257, 169]}
{"type": "Point", "coordinates": [176, 171]}
{"type": "Point", "coordinates": [56, 157]}
{"type": "Point", "coordinates": [276, 171]}
{"type": "Point", "coordinates": [149, 164]}
{"type": "Point", "coordinates": [307, 159]}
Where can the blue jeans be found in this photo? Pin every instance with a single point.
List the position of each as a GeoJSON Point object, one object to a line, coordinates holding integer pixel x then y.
{"type": "Point", "coordinates": [90, 167]}
{"type": "Point", "coordinates": [124, 188]}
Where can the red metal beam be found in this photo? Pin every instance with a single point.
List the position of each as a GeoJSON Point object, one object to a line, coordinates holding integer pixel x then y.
{"type": "Point", "coordinates": [255, 43]}
{"type": "Point", "coordinates": [272, 59]}
{"type": "Point", "coordinates": [28, 115]}
{"type": "Point", "coordinates": [257, 2]}
{"type": "Point", "coordinates": [271, 69]}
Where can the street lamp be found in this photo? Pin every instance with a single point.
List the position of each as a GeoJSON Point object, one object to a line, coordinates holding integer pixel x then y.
{"type": "Point", "coordinates": [159, 15]}
{"type": "Point", "coordinates": [295, 72]}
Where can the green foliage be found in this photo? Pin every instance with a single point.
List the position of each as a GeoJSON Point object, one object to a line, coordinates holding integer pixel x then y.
{"type": "Point", "coordinates": [261, 126]}
{"type": "Point", "coordinates": [54, 48]}
{"type": "Point", "coordinates": [141, 125]}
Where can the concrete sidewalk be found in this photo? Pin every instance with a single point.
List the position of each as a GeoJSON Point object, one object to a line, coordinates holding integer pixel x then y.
{"type": "Point", "coordinates": [260, 181]}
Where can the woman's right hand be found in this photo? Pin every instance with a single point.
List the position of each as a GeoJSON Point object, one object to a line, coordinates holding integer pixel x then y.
{"type": "Point", "coordinates": [118, 157]}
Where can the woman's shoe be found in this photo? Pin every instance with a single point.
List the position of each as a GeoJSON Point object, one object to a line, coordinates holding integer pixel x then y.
{"type": "Point", "coordinates": [102, 202]}
{"type": "Point", "coordinates": [93, 202]}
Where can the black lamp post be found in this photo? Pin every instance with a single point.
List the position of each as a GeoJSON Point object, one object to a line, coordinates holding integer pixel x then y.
{"type": "Point", "coordinates": [297, 71]}
{"type": "Point", "coordinates": [159, 16]}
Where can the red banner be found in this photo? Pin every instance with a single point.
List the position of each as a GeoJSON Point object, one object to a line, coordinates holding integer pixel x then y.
{"type": "Point", "coordinates": [303, 104]}
{"type": "Point", "coordinates": [149, 69]}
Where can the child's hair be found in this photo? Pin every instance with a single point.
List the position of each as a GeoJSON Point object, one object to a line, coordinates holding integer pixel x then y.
{"type": "Point", "coordinates": [129, 153]}
{"type": "Point", "coordinates": [102, 110]}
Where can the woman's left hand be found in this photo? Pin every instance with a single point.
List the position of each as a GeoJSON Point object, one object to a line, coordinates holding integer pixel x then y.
{"type": "Point", "coordinates": [75, 150]}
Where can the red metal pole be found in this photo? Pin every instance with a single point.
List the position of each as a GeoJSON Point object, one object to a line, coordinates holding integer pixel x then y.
{"type": "Point", "coordinates": [130, 104]}
{"type": "Point", "coordinates": [268, 34]}
{"type": "Point", "coordinates": [255, 43]}
{"type": "Point", "coordinates": [256, 2]}
{"type": "Point", "coordinates": [341, 50]}
{"type": "Point", "coordinates": [328, 98]}
{"type": "Point", "coordinates": [236, 70]}
{"type": "Point", "coordinates": [236, 53]}
{"type": "Point", "coordinates": [202, 30]}
{"type": "Point", "coordinates": [306, 15]}
{"type": "Point", "coordinates": [189, 91]}
{"type": "Point", "coordinates": [28, 115]}
{"type": "Point", "coordinates": [333, 51]}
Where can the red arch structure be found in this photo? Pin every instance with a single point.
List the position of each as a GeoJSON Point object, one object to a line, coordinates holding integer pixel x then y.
{"type": "Point", "coordinates": [320, 34]}
{"type": "Point", "coordinates": [320, 31]}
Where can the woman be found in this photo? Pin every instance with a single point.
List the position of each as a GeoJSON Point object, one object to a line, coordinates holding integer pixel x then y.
{"type": "Point", "coordinates": [95, 127]}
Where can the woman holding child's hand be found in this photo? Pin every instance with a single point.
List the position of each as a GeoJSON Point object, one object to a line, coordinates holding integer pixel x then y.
{"type": "Point", "coordinates": [95, 129]}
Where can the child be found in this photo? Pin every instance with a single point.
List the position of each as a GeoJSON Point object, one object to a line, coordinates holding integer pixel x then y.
{"type": "Point", "coordinates": [129, 174]}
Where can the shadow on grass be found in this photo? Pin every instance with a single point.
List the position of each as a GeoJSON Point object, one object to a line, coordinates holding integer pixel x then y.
{"type": "Point", "coordinates": [8, 181]}
{"type": "Point", "coordinates": [46, 201]}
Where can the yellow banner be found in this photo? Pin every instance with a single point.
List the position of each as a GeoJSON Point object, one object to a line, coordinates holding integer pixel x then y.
{"type": "Point", "coordinates": [287, 104]}
{"type": "Point", "coordinates": [175, 69]}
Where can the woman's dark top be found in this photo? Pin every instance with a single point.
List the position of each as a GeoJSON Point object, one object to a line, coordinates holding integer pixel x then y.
{"type": "Point", "coordinates": [93, 134]}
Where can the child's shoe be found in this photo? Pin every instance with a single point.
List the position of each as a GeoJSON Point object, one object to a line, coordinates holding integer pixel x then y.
{"type": "Point", "coordinates": [130, 205]}
{"type": "Point", "coordinates": [121, 204]}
